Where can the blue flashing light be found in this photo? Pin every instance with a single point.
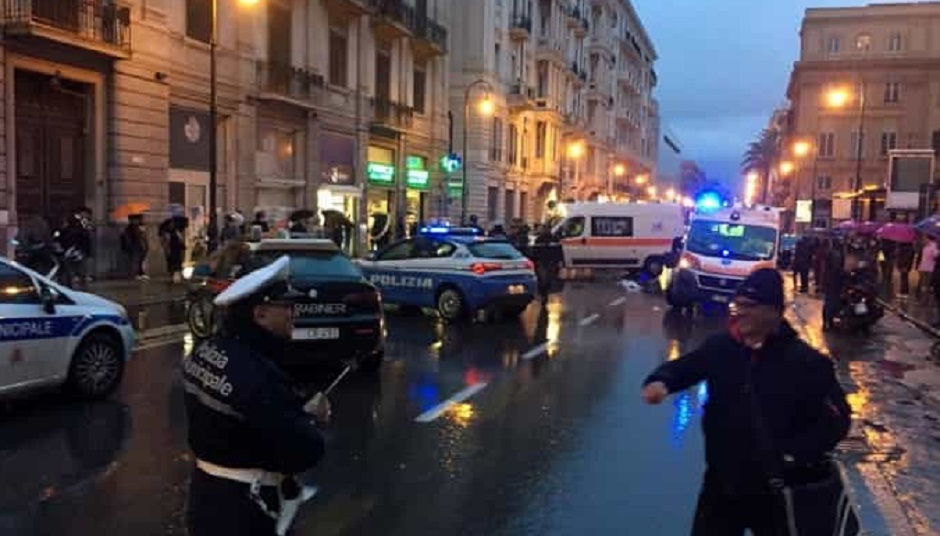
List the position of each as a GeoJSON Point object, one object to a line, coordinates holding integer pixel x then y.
{"type": "Point", "coordinates": [725, 253]}
{"type": "Point", "coordinates": [435, 230]}
{"type": "Point", "coordinates": [709, 201]}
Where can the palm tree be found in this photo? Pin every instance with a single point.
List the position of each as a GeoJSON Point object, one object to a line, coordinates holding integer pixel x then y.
{"type": "Point", "coordinates": [761, 157]}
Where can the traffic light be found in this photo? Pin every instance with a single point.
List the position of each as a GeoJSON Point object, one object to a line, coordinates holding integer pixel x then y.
{"type": "Point", "coordinates": [451, 163]}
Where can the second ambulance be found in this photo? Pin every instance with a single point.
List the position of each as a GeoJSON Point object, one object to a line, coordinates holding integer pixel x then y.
{"type": "Point", "coordinates": [723, 246]}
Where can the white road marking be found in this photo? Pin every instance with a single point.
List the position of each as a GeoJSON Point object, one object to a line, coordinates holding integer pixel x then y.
{"type": "Point", "coordinates": [618, 302]}
{"type": "Point", "coordinates": [458, 397]}
{"type": "Point", "coordinates": [588, 320]}
{"type": "Point", "coordinates": [535, 352]}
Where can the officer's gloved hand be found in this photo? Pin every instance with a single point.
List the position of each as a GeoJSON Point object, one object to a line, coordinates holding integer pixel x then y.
{"type": "Point", "coordinates": [319, 407]}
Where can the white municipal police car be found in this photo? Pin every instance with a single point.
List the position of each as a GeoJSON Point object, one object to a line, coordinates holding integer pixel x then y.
{"type": "Point", "coordinates": [51, 335]}
{"type": "Point", "coordinates": [454, 271]}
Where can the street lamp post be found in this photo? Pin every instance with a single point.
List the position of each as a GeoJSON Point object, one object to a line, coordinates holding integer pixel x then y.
{"type": "Point", "coordinates": [213, 231]}
{"type": "Point", "coordinates": [486, 108]}
{"type": "Point", "coordinates": [856, 205]}
{"type": "Point", "coordinates": [838, 99]}
{"type": "Point", "coordinates": [575, 150]}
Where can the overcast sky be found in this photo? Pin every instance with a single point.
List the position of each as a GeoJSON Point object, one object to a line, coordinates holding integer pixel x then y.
{"type": "Point", "coordinates": [723, 67]}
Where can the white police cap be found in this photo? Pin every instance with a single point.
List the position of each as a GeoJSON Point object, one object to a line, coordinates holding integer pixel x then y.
{"type": "Point", "coordinates": [255, 282]}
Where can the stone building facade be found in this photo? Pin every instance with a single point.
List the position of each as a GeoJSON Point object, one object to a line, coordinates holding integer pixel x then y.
{"type": "Point", "coordinates": [571, 84]}
{"type": "Point", "coordinates": [891, 54]}
{"type": "Point", "coordinates": [336, 105]}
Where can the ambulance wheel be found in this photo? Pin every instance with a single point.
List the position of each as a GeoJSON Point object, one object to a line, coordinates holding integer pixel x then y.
{"type": "Point", "coordinates": [97, 366]}
{"type": "Point", "coordinates": [450, 304]}
{"type": "Point", "coordinates": [654, 266]}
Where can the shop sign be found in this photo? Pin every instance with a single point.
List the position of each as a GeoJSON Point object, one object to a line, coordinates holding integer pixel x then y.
{"type": "Point", "coordinates": [804, 211]}
{"type": "Point", "coordinates": [383, 174]}
{"type": "Point", "coordinates": [455, 188]}
{"type": "Point", "coordinates": [336, 159]}
{"type": "Point", "coordinates": [418, 179]}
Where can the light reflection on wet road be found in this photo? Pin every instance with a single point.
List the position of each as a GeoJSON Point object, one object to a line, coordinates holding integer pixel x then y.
{"type": "Point", "coordinates": [557, 442]}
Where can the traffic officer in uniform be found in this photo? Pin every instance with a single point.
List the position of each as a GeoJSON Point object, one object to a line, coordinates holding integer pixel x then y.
{"type": "Point", "coordinates": [250, 433]}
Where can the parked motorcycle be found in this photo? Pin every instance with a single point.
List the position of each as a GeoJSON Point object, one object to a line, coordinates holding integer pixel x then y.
{"type": "Point", "coordinates": [860, 308]}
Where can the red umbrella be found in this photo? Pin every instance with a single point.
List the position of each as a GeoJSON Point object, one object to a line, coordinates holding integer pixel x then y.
{"type": "Point", "coordinates": [898, 232]}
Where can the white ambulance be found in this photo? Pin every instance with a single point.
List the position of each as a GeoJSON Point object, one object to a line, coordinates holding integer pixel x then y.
{"type": "Point", "coordinates": [723, 246]}
{"type": "Point", "coordinates": [619, 235]}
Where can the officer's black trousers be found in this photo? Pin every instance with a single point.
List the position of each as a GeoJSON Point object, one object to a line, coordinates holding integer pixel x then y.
{"type": "Point", "coordinates": [220, 507]}
{"type": "Point", "coordinates": [721, 512]}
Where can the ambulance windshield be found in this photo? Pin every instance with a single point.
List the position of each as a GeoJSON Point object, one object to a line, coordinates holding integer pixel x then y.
{"type": "Point", "coordinates": [731, 240]}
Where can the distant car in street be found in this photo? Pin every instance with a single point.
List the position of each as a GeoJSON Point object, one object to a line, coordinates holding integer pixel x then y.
{"type": "Point", "coordinates": [455, 271]}
{"type": "Point", "coordinates": [52, 336]}
{"type": "Point", "coordinates": [339, 317]}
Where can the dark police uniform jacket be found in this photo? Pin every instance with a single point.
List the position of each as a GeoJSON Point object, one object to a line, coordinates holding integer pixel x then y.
{"type": "Point", "coordinates": [241, 410]}
{"type": "Point", "coordinates": [802, 405]}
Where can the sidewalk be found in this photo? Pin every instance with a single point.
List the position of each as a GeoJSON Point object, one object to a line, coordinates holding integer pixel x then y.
{"type": "Point", "coordinates": [893, 452]}
{"type": "Point", "coordinates": [132, 293]}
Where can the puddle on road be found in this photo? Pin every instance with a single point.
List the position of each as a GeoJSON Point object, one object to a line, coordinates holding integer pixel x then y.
{"type": "Point", "coordinates": [895, 368]}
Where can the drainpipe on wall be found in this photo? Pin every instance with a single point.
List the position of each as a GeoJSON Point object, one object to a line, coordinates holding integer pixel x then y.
{"type": "Point", "coordinates": [362, 229]}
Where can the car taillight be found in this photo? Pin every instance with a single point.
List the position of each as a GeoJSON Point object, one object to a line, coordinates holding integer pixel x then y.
{"type": "Point", "coordinates": [690, 262]}
{"type": "Point", "coordinates": [529, 265]}
{"type": "Point", "coordinates": [369, 298]}
{"type": "Point", "coordinates": [481, 268]}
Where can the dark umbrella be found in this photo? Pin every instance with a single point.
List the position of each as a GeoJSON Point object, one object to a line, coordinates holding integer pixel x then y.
{"type": "Point", "coordinates": [930, 225]}
{"type": "Point", "coordinates": [301, 214]}
{"type": "Point", "coordinates": [335, 218]}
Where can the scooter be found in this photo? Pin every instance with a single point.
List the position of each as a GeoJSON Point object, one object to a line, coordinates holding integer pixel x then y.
{"type": "Point", "coordinates": [51, 260]}
{"type": "Point", "coordinates": [860, 309]}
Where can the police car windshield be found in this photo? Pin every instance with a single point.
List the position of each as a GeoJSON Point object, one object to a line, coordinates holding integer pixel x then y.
{"type": "Point", "coordinates": [733, 241]}
{"type": "Point", "coordinates": [312, 264]}
{"type": "Point", "coordinates": [493, 249]}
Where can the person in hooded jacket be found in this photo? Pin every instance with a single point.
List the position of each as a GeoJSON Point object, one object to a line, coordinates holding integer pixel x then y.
{"type": "Point", "coordinates": [248, 430]}
{"type": "Point", "coordinates": [758, 371]}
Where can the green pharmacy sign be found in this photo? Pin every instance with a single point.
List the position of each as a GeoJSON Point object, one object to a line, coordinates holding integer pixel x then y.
{"type": "Point", "coordinates": [383, 174]}
{"type": "Point", "coordinates": [417, 177]}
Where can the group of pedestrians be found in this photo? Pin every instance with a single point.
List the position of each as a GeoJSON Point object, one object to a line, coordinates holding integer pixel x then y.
{"type": "Point", "coordinates": [66, 245]}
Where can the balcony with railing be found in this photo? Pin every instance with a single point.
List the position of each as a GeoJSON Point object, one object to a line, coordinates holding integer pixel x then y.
{"type": "Point", "coordinates": [521, 97]}
{"type": "Point", "coordinates": [390, 114]}
{"type": "Point", "coordinates": [392, 18]}
{"type": "Point", "coordinates": [582, 29]}
{"type": "Point", "coordinates": [348, 8]}
{"type": "Point", "coordinates": [573, 17]}
{"type": "Point", "coordinates": [520, 27]}
{"type": "Point", "coordinates": [430, 38]}
{"type": "Point", "coordinates": [98, 25]}
{"type": "Point", "coordinates": [281, 81]}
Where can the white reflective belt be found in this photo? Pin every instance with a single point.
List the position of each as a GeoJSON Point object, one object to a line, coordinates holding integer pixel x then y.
{"type": "Point", "coordinates": [245, 476]}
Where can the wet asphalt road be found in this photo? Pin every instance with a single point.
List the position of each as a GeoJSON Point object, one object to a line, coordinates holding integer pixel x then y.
{"type": "Point", "coordinates": [557, 442]}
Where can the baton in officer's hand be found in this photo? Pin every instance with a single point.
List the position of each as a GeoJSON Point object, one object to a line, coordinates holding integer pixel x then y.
{"type": "Point", "coordinates": [319, 405]}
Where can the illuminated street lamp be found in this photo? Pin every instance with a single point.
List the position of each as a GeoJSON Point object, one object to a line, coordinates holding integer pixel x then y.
{"type": "Point", "coordinates": [651, 191]}
{"type": "Point", "coordinates": [802, 148]}
{"type": "Point", "coordinates": [786, 167]}
{"type": "Point", "coordinates": [670, 194]}
{"type": "Point", "coordinates": [486, 108]}
{"type": "Point", "coordinates": [838, 98]}
{"type": "Point", "coordinates": [641, 179]}
{"type": "Point", "coordinates": [620, 170]}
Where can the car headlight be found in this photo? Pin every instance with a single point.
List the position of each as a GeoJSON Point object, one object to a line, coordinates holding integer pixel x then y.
{"type": "Point", "coordinates": [685, 264]}
{"type": "Point", "coordinates": [188, 272]}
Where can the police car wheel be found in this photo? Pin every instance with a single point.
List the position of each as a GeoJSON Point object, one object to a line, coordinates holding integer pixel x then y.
{"type": "Point", "coordinates": [201, 318]}
{"type": "Point", "coordinates": [97, 366]}
{"type": "Point", "coordinates": [373, 363]}
{"type": "Point", "coordinates": [450, 304]}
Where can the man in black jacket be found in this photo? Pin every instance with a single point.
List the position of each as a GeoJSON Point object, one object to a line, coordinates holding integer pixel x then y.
{"type": "Point", "coordinates": [760, 376]}
{"type": "Point", "coordinates": [249, 432]}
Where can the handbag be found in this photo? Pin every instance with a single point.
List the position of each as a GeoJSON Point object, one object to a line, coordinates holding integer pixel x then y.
{"type": "Point", "coordinates": [810, 500]}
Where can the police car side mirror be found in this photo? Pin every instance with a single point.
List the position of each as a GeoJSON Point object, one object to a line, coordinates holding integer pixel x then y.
{"type": "Point", "coordinates": [47, 298]}
{"type": "Point", "coordinates": [373, 256]}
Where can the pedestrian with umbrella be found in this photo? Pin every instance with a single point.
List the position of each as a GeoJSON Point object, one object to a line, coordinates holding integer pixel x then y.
{"type": "Point", "coordinates": [897, 248]}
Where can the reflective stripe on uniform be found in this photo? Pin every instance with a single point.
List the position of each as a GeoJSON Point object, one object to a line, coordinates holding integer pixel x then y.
{"type": "Point", "coordinates": [207, 400]}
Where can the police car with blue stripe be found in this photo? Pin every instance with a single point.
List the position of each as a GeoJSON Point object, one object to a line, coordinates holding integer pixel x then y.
{"type": "Point", "coordinates": [52, 336]}
{"type": "Point", "coordinates": [455, 271]}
